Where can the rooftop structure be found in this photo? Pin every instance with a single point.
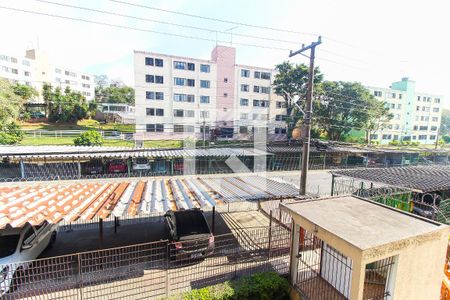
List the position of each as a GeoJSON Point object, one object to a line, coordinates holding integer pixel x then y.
{"type": "Point", "coordinates": [92, 200]}
{"type": "Point", "coordinates": [350, 248]}
{"type": "Point", "coordinates": [418, 178]}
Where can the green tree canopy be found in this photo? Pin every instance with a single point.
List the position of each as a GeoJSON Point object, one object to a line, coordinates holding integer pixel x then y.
{"type": "Point", "coordinates": [291, 83]}
{"type": "Point", "coordinates": [25, 91]}
{"type": "Point", "coordinates": [342, 106]}
{"type": "Point", "coordinates": [445, 122]}
{"type": "Point", "coordinates": [10, 103]}
{"type": "Point", "coordinates": [67, 106]}
{"type": "Point", "coordinates": [113, 91]}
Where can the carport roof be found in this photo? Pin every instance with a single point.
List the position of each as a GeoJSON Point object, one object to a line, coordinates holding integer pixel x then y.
{"type": "Point", "coordinates": [101, 199]}
{"type": "Point", "coordinates": [362, 223]}
{"type": "Point", "coordinates": [20, 152]}
{"type": "Point", "coordinates": [420, 178]}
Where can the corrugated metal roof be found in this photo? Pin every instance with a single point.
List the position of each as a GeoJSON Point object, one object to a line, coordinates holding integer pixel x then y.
{"type": "Point", "coordinates": [88, 200]}
{"type": "Point", "coordinates": [421, 178]}
{"type": "Point", "coordinates": [19, 152]}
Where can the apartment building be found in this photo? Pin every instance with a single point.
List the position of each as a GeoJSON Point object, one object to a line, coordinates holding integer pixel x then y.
{"type": "Point", "coordinates": [417, 116]}
{"type": "Point", "coordinates": [35, 68]}
{"type": "Point", "coordinates": [178, 96]}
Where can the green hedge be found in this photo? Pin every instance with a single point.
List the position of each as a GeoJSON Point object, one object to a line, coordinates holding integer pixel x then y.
{"type": "Point", "coordinates": [261, 286]}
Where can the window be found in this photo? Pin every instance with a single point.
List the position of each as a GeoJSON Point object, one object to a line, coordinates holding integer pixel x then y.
{"type": "Point", "coordinates": [244, 102]}
{"type": "Point", "coordinates": [183, 98]}
{"type": "Point", "coordinates": [400, 96]}
{"type": "Point", "coordinates": [377, 93]}
{"type": "Point", "coordinates": [225, 95]}
{"type": "Point", "coordinates": [392, 105]}
{"type": "Point", "coordinates": [149, 78]}
{"type": "Point", "coordinates": [281, 104]}
{"type": "Point", "coordinates": [422, 137]}
{"type": "Point", "coordinates": [399, 106]}
{"type": "Point", "coordinates": [432, 137]}
{"type": "Point", "coordinates": [14, 60]}
{"type": "Point", "coordinates": [26, 73]}
{"type": "Point", "coordinates": [418, 98]}
{"type": "Point", "coordinates": [85, 85]}
{"type": "Point", "coordinates": [205, 84]}
{"type": "Point", "coordinates": [374, 136]}
{"type": "Point", "coordinates": [183, 113]}
{"type": "Point", "coordinates": [159, 96]}
{"type": "Point", "coordinates": [27, 63]}
{"type": "Point", "coordinates": [433, 128]}
{"type": "Point", "coordinates": [280, 117]}
{"type": "Point", "coordinates": [387, 136]}
{"type": "Point", "coordinates": [435, 119]}
{"type": "Point", "coordinates": [178, 128]}
{"type": "Point", "coordinates": [205, 68]}
{"type": "Point", "coordinates": [265, 75]}
{"type": "Point", "coordinates": [414, 137]}
{"type": "Point", "coordinates": [204, 114]}
{"type": "Point", "coordinates": [191, 66]}
{"type": "Point", "coordinates": [204, 129]}
{"type": "Point", "coordinates": [150, 95]}
{"type": "Point", "coordinates": [417, 108]}
{"type": "Point", "coordinates": [280, 130]}
{"type": "Point", "coordinates": [435, 109]}
{"type": "Point", "coordinates": [14, 71]}
{"type": "Point", "coordinates": [149, 61]}
{"type": "Point", "coordinates": [243, 129]}
{"type": "Point", "coordinates": [256, 89]}
{"type": "Point", "coordinates": [155, 127]}
{"type": "Point", "coordinates": [437, 100]}
{"type": "Point", "coordinates": [159, 79]}
{"type": "Point", "coordinates": [204, 99]}
{"type": "Point", "coordinates": [159, 62]}
{"type": "Point", "coordinates": [393, 95]}
{"type": "Point", "coordinates": [396, 126]}
{"type": "Point", "coordinates": [265, 90]}
{"type": "Point", "coordinates": [245, 73]}
{"type": "Point", "coordinates": [397, 117]}
{"type": "Point", "coordinates": [257, 74]}
{"type": "Point", "coordinates": [423, 128]}
{"type": "Point", "coordinates": [179, 113]}
{"type": "Point", "coordinates": [225, 80]}
{"type": "Point", "coordinates": [261, 103]}
{"type": "Point", "coordinates": [395, 137]}
{"type": "Point", "coordinates": [191, 82]}
{"type": "Point", "coordinates": [155, 112]}
{"type": "Point", "coordinates": [244, 116]}
{"type": "Point", "coordinates": [58, 71]}
{"type": "Point", "coordinates": [244, 88]}
{"type": "Point", "coordinates": [179, 65]}
{"type": "Point", "coordinates": [178, 81]}
{"type": "Point", "coordinates": [85, 77]}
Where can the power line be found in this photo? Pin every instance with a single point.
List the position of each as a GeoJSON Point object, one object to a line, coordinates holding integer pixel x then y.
{"type": "Point", "coordinates": [167, 23]}
{"type": "Point", "coordinates": [214, 19]}
{"type": "Point", "coordinates": [138, 29]}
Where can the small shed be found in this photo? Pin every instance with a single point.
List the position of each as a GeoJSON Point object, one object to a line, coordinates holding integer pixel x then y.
{"type": "Point", "coordinates": [351, 248]}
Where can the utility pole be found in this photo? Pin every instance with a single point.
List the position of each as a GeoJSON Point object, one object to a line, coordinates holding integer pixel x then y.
{"type": "Point", "coordinates": [204, 132]}
{"type": "Point", "coordinates": [308, 111]}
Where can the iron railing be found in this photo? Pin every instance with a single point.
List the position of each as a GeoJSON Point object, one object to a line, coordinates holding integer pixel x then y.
{"type": "Point", "coordinates": [150, 270]}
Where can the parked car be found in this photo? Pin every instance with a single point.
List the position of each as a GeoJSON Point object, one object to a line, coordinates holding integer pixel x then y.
{"type": "Point", "coordinates": [190, 234]}
{"type": "Point", "coordinates": [18, 246]}
{"type": "Point", "coordinates": [117, 166]}
{"type": "Point", "coordinates": [37, 115]}
{"type": "Point", "coordinates": [94, 167]}
{"type": "Point", "coordinates": [160, 167]}
{"type": "Point", "coordinates": [141, 163]}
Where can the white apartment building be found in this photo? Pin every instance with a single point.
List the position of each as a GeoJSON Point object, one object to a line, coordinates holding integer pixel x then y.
{"type": "Point", "coordinates": [177, 96]}
{"type": "Point", "coordinates": [417, 116]}
{"type": "Point", "coordinates": [34, 69]}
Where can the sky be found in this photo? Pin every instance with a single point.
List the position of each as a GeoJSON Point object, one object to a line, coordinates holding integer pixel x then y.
{"type": "Point", "coordinates": [372, 42]}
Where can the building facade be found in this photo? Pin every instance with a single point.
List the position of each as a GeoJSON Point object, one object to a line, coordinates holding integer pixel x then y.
{"type": "Point", "coordinates": [417, 116]}
{"type": "Point", "coordinates": [35, 69]}
{"type": "Point", "coordinates": [179, 96]}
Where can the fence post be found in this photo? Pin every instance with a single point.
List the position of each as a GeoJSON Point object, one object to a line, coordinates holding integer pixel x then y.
{"type": "Point", "coordinates": [270, 234]}
{"type": "Point", "coordinates": [80, 275]}
{"type": "Point", "coordinates": [214, 220]}
{"type": "Point", "coordinates": [167, 268]}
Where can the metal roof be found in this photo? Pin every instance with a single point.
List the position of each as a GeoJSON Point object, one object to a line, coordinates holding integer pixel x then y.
{"type": "Point", "coordinates": [420, 178]}
{"type": "Point", "coordinates": [100, 199]}
{"type": "Point", "coordinates": [19, 152]}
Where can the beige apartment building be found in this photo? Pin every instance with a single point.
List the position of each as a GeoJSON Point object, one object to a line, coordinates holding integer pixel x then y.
{"type": "Point", "coordinates": [181, 96]}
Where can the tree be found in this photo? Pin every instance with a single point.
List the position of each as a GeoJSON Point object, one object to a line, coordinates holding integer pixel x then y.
{"type": "Point", "coordinates": [69, 106]}
{"type": "Point", "coordinates": [342, 106]}
{"type": "Point", "coordinates": [377, 119]}
{"type": "Point", "coordinates": [445, 122]}
{"type": "Point", "coordinates": [291, 82]}
{"type": "Point", "coordinates": [113, 91]}
{"type": "Point", "coordinates": [11, 105]}
{"type": "Point", "coordinates": [89, 138]}
{"type": "Point", "coordinates": [25, 92]}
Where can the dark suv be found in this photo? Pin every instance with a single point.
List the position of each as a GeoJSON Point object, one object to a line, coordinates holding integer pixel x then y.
{"type": "Point", "coordinates": [190, 234]}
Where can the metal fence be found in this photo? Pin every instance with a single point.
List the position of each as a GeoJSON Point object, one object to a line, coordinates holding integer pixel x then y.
{"type": "Point", "coordinates": [150, 270]}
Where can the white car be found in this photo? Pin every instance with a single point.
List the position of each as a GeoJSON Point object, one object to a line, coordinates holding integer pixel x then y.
{"type": "Point", "coordinates": [17, 247]}
{"type": "Point", "coordinates": [141, 163]}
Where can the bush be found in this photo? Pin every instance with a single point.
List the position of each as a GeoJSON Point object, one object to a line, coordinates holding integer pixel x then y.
{"type": "Point", "coordinates": [259, 286]}
{"type": "Point", "coordinates": [10, 134]}
{"type": "Point", "coordinates": [89, 138]}
{"type": "Point", "coordinates": [394, 143]}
